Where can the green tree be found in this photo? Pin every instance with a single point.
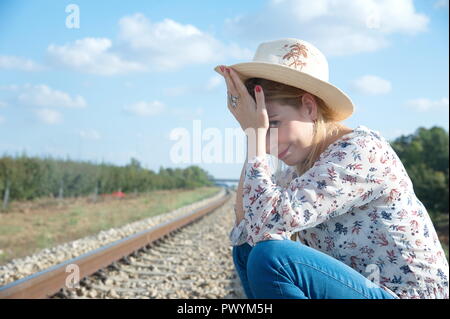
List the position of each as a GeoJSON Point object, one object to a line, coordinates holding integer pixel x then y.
{"type": "Point", "coordinates": [425, 155]}
{"type": "Point", "coordinates": [32, 177]}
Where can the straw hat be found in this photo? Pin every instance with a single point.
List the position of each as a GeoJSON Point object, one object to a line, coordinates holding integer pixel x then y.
{"type": "Point", "coordinates": [300, 64]}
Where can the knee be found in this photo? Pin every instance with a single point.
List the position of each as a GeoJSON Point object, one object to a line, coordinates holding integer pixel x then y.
{"type": "Point", "coordinates": [263, 251]}
{"type": "Point", "coordinates": [263, 266]}
{"type": "Point", "coordinates": [272, 250]}
{"type": "Point", "coordinates": [264, 258]}
{"type": "Point", "coordinates": [270, 255]}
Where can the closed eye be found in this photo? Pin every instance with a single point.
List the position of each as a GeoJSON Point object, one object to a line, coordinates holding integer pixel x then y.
{"type": "Point", "coordinates": [271, 123]}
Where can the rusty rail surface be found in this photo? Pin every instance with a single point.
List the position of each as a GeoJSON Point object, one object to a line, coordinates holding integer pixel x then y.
{"type": "Point", "coordinates": [49, 281]}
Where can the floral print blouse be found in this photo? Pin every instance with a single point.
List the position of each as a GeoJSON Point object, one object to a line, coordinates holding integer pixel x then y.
{"type": "Point", "coordinates": [356, 204]}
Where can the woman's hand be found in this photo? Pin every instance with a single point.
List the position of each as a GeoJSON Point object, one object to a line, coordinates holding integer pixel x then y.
{"type": "Point", "coordinates": [251, 115]}
{"type": "Point", "coordinates": [248, 113]}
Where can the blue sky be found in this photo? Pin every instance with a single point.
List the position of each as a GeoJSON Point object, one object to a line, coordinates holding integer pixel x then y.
{"type": "Point", "coordinates": [117, 86]}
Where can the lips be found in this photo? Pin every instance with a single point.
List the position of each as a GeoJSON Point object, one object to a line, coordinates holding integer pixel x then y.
{"type": "Point", "coordinates": [282, 154]}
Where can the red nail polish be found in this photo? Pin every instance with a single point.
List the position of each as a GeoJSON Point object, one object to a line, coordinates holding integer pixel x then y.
{"type": "Point", "coordinates": [222, 68]}
{"type": "Point", "coordinates": [228, 70]}
{"type": "Point", "coordinates": [257, 88]}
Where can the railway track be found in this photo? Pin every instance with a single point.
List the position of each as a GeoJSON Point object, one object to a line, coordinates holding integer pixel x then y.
{"type": "Point", "coordinates": [189, 257]}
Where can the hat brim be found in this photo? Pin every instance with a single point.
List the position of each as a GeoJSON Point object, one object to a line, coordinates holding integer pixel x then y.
{"type": "Point", "coordinates": [335, 98]}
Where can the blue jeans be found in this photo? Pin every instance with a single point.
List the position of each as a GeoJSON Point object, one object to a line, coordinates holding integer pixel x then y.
{"type": "Point", "coordinates": [286, 269]}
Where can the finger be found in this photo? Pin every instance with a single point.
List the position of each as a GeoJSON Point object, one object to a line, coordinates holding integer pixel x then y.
{"type": "Point", "coordinates": [260, 99]}
{"type": "Point", "coordinates": [237, 81]}
{"type": "Point", "coordinates": [230, 84]}
{"type": "Point", "coordinates": [219, 69]}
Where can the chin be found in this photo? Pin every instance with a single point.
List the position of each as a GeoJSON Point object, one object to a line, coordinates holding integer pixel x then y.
{"type": "Point", "coordinates": [292, 161]}
{"type": "Point", "coordinates": [289, 161]}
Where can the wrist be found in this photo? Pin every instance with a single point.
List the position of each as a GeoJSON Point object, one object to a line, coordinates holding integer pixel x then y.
{"type": "Point", "coordinates": [256, 142]}
{"type": "Point", "coordinates": [261, 142]}
{"type": "Point", "coordinates": [239, 216]}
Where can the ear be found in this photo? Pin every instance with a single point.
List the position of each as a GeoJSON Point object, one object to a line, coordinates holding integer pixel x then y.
{"type": "Point", "coordinates": [309, 106]}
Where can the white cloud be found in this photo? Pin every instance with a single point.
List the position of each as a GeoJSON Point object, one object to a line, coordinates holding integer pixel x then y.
{"type": "Point", "coordinates": [335, 27]}
{"type": "Point", "coordinates": [214, 82]}
{"type": "Point", "coordinates": [144, 45]}
{"type": "Point", "coordinates": [176, 91]}
{"type": "Point", "coordinates": [91, 55]}
{"type": "Point", "coordinates": [424, 104]}
{"type": "Point", "coordinates": [143, 108]}
{"type": "Point", "coordinates": [90, 134]}
{"type": "Point", "coordinates": [49, 116]}
{"type": "Point", "coordinates": [440, 4]}
{"type": "Point", "coordinates": [44, 96]}
{"type": "Point", "coordinates": [10, 87]}
{"type": "Point", "coordinates": [372, 85]}
{"type": "Point", "coordinates": [18, 63]}
{"type": "Point", "coordinates": [169, 45]}
{"type": "Point", "coordinates": [187, 113]}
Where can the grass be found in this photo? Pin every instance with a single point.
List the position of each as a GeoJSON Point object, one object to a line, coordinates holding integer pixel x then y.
{"type": "Point", "coordinates": [28, 227]}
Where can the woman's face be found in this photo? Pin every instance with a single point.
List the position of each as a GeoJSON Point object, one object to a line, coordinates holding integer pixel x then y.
{"type": "Point", "coordinates": [295, 129]}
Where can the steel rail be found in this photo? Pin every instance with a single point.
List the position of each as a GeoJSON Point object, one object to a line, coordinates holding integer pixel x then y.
{"type": "Point", "coordinates": [49, 281]}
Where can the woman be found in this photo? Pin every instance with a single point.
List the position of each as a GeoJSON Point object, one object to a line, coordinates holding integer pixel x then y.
{"type": "Point", "coordinates": [361, 231]}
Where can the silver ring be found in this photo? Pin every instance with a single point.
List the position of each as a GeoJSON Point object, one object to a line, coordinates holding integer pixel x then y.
{"type": "Point", "coordinates": [233, 100]}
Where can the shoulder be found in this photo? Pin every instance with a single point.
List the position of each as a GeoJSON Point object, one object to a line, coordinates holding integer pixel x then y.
{"type": "Point", "coordinates": [369, 142]}
{"type": "Point", "coordinates": [358, 149]}
{"type": "Point", "coordinates": [364, 133]}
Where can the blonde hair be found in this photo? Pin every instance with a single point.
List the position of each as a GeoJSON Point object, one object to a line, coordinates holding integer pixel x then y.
{"type": "Point", "coordinates": [324, 126]}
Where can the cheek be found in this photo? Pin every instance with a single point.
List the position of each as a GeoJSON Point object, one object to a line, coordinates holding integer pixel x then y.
{"type": "Point", "coordinates": [303, 134]}
{"type": "Point", "coordinates": [286, 133]}
{"type": "Point", "coordinates": [289, 133]}
{"type": "Point", "coordinates": [280, 139]}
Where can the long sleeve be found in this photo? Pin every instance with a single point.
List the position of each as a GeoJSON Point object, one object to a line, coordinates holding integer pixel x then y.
{"type": "Point", "coordinates": [238, 234]}
{"type": "Point", "coordinates": [344, 177]}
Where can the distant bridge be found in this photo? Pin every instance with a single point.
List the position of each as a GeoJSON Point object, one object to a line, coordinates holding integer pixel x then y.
{"type": "Point", "coordinates": [227, 182]}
